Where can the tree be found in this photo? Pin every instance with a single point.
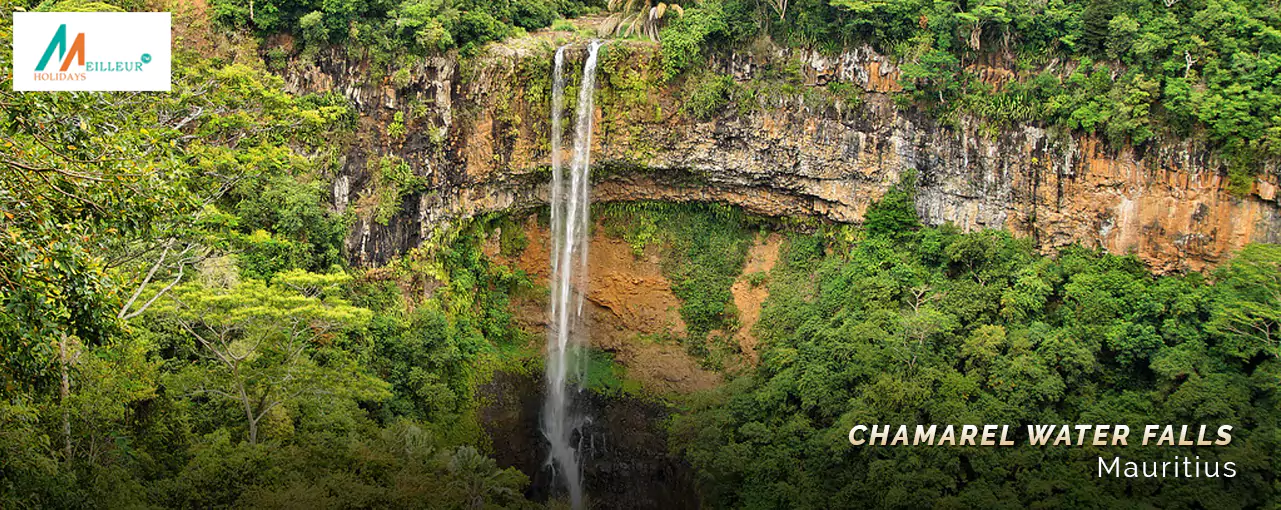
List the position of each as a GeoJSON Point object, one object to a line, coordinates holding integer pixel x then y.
{"type": "Point", "coordinates": [313, 28]}
{"type": "Point", "coordinates": [98, 206]}
{"type": "Point", "coordinates": [921, 327]}
{"type": "Point", "coordinates": [1248, 315]}
{"type": "Point", "coordinates": [1063, 340]}
{"type": "Point", "coordinates": [480, 481]}
{"type": "Point", "coordinates": [71, 187]}
{"type": "Point", "coordinates": [641, 17]}
{"type": "Point", "coordinates": [934, 78]}
{"type": "Point", "coordinates": [1095, 24]}
{"type": "Point", "coordinates": [894, 215]}
{"type": "Point", "coordinates": [260, 341]}
{"type": "Point", "coordinates": [423, 360]}
{"type": "Point", "coordinates": [109, 380]}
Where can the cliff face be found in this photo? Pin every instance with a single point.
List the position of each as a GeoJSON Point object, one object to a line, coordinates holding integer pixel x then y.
{"type": "Point", "coordinates": [479, 139]}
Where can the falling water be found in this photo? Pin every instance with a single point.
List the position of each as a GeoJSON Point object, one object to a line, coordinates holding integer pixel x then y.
{"type": "Point", "coordinates": [566, 335]}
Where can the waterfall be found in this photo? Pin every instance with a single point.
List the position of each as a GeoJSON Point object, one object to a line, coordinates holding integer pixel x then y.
{"type": "Point", "coordinates": [566, 335]}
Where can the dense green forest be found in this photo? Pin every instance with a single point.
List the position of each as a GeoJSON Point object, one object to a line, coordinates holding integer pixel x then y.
{"type": "Point", "coordinates": [180, 326]}
{"type": "Point", "coordinates": [901, 325]}
{"type": "Point", "coordinates": [892, 323]}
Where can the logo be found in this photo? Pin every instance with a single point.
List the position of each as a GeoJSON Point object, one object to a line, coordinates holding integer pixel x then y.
{"type": "Point", "coordinates": [91, 51]}
{"type": "Point", "coordinates": [59, 44]}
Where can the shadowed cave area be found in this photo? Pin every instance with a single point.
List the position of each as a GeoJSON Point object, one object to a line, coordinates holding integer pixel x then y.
{"type": "Point", "coordinates": [626, 461]}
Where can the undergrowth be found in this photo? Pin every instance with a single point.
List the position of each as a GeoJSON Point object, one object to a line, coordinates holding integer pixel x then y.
{"type": "Point", "coordinates": [704, 247]}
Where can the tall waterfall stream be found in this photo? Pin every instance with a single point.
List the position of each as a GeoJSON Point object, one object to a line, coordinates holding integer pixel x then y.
{"type": "Point", "coordinates": [567, 335]}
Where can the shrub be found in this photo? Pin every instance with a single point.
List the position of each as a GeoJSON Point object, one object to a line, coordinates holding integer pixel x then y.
{"type": "Point", "coordinates": [396, 130]}
{"type": "Point", "coordinates": [313, 28]}
{"type": "Point", "coordinates": [394, 180]}
{"type": "Point", "coordinates": [532, 14]}
{"type": "Point", "coordinates": [707, 95]}
{"type": "Point", "coordinates": [400, 79]}
{"type": "Point", "coordinates": [894, 215]}
{"type": "Point", "coordinates": [475, 28]}
{"type": "Point", "coordinates": [684, 38]}
{"type": "Point", "coordinates": [433, 36]}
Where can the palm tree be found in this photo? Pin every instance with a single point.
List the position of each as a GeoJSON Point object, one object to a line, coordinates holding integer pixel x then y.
{"type": "Point", "coordinates": [637, 17]}
{"type": "Point", "coordinates": [480, 480]}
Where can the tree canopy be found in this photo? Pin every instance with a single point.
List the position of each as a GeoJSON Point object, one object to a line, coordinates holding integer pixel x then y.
{"type": "Point", "coordinates": [934, 326]}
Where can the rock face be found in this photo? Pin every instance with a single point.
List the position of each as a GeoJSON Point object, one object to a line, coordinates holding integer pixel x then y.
{"type": "Point", "coordinates": [478, 135]}
{"type": "Point", "coordinates": [628, 298]}
{"type": "Point", "coordinates": [627, 464]}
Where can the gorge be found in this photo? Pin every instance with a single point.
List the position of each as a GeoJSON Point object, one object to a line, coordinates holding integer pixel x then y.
{"type": "Point", "coordinates": [566, 254]}
{"type": "Point", "coordinates": [795, 151]}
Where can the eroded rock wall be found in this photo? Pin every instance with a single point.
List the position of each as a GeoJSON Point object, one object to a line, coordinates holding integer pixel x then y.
{"type": "Point", "coordinates": [477, 133]}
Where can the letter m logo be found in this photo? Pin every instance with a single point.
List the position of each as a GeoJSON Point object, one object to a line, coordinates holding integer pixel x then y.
{"type": "Point", "coordinates": [59, 44]}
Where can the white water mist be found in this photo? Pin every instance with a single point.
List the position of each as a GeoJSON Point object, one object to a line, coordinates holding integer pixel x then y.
{"type": "Point", "coordinates": [567, 335]}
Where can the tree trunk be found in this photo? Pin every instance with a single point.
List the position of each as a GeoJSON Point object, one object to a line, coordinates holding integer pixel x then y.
{"type": "Point", "coordinates": [65, 391]}
{"type": "Point", "coordinates": [249, 410]}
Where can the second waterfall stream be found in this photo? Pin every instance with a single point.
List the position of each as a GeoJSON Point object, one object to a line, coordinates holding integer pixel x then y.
{"type": "Point", "coordinates": [566, 334]}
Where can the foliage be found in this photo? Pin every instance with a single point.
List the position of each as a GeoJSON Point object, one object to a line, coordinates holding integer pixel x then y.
{"type": "Point", "coordinates": [173, 258]}
{"type": "Point", "coordinates": [260, 346]}
{"type": "Point", "coordinates": [708, 95]}
{"type": "Point", "coordinates": [685, 38]}
{"type": "Point", "coordinates": [635, 17]}
{"type": "Point", "coordinates": [1128, 71]}
{"type": "Point", "coordinates": [307, 233]}
{"type": "Point", "coordinates": [849, 96]}
{"type": "Point", "coordinates": [704, 247]}
{"type": "Point", "coordinates": [391, 30]}
{"type": "Point", "coordinates": [177, 325]}
{"type": "Point", "coordinates": [605, 377]}
{"type": "Point", "coordinates": [97, 203]}
{"type": "Point", "coordinates": [396, 130]}
{"type": "Point", "coordinates": [401, 465]}
{"type": "Point", "coordinates": [932, 78]}
{"type": "Point", "coordinates": [1249, 313]}
{"type": "Point", "coordinates": [511, 240]}
{"type": "Point", "coordinates": [424, 362]}
{"type": "Point", "coordinates": [394, 180]}
{"type": "Point", "coordinates": [926, 326]}
{"type": "Point", "coordinates": [894, 215]}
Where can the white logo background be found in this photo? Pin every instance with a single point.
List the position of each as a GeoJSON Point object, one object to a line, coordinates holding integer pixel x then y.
{"type": "Point", "coordinates": [109, 37]}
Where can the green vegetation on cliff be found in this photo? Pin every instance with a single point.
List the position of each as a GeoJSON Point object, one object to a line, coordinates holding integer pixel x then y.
{"type": "Point", "coordinates": [704, 247]}
{"type": "Point", "coordinates": [903, 325]}
{"type": "Point", "coordinates": [1130, 70]}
